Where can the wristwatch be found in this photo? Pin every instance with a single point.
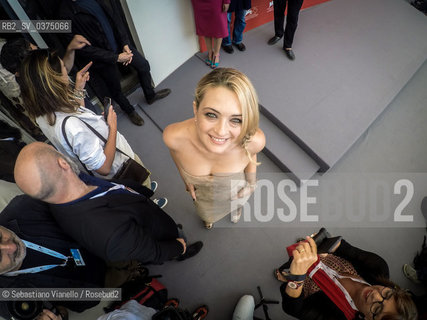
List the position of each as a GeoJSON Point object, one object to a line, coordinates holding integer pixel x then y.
{"type": "Point", "coordinates": [294, 284]}
{"type": "Point", "coordinates": [295, 277]}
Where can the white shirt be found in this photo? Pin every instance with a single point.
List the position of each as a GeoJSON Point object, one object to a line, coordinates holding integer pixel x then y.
{"type": "Point", "coordinates": [86, 146]}
{"type": "Point", "coordinates": [131, 310]}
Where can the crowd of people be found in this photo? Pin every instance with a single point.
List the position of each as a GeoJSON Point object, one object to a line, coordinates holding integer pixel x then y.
{"type": "Point", "coordinates": [213, 20]}
{"type": "Point", "coordinates": [89, 193]}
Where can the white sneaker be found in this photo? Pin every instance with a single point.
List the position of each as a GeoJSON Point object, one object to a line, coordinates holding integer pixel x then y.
{"type": "Point", "coordinates": [154, 186]}
{"type": "Point", "coordinates": [161, 202]}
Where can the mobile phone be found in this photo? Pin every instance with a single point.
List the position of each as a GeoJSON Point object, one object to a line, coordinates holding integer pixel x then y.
{"type": "Point", "coordinates": [328, 244]}
{"type": "Point", "coordinates": [107, 104]}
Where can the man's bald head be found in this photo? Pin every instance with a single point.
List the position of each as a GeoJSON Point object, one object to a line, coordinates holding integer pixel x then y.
{"type": "Point", "coordinates": [39, 169]}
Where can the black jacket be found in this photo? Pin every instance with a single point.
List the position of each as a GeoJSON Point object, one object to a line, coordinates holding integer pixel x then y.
{"type": "Point", "coordinates": [237, 5]}
{"type": "Point", "coordinates": [318, 306]}
{"type": "Point", "coordinates": [120, 227]}
{"type": "Point", "coordinates": [87, 25]}
{"type": "Point", "coordinates": [30, 220]}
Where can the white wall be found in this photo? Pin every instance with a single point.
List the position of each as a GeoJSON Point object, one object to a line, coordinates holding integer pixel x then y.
{"type": "Point", "coordinates": [166, 31]}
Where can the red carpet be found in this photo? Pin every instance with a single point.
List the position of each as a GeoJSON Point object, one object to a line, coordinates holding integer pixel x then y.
{"type": "Point", "coordinates": [261, 13]}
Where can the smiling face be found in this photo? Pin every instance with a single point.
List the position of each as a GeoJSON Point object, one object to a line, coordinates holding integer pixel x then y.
{"type": "Point", "coordinates": [376, 300]}
{"type": "Point", "coordinates": [12, 249]}
{"type": "Point", "coordinates": [218, 119]}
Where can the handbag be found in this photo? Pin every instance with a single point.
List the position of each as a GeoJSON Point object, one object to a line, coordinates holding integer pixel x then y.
{"type": "Point", "coordinates": [130, 170]}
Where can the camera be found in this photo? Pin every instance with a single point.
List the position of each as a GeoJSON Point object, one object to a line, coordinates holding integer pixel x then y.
{"type": "Point", "coordinates": [28, 310]}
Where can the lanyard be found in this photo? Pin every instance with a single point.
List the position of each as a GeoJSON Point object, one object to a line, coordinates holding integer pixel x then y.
{"type": "Point", "coordinates": [44, 250]}
{"type": "Point", "coordinates": [113, 188]}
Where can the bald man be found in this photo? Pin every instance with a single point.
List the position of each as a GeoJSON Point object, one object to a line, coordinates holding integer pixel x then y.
{"type": "Point", "coordinates": [110, 220]}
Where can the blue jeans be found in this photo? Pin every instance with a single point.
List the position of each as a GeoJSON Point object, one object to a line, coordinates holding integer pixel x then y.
{"type": "Point", "coordinates": [239, 26]}
{"type": "Point", "coordinates": [244, 309]}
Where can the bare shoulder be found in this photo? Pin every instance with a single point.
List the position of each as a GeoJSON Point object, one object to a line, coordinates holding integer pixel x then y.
{"type": "Point", "coordinates": [257, 142]}
{"type": "Point", "coordinates": [176, 134]}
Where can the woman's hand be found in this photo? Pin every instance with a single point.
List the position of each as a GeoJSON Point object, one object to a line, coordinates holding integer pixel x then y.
{"type": "Point", "coordinates": [190, 189]}
{"type": "Point", "coordinates": [305, 254]}
{"type": "Point", "coordinates": [246, 191]}
{"type": "Point", "coordinates": [225, 7]}
{"type": "Point", "coordinates": [82, 77]}
{"type": "Point", "coordinates": [112, 119]}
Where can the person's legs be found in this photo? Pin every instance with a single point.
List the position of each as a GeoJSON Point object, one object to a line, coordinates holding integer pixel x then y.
{"type": "Point", "coordinates": [142, 66]}
{"type": "Point", "coordinates": [208, 42]}
{"type": "Point", "coordinates": [111, 77]}
{"type": "Point", "coordinates": [239, 26]}
{"type": "Point", "coordinates": [227, 40]}
{"type": "Point", "coordinates": [294, 7]}
{"type": "Point", "coordinates": [245, 308]}
{"type": "Point", "coordinates": [98, 85]}
{"type": "Point", "coordinates": [160, 225]}
{"type": "Point", "coordinates": [279, 17]}
{"type": "Point", "coordinates": [216, 47]}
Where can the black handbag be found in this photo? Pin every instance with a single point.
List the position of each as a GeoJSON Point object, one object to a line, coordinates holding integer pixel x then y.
{"type": "Point", "coordinates": [130, 170]}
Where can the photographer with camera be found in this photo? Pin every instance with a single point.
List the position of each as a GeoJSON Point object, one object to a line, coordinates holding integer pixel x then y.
{"type": "Point", "coordinates": [349, 283]}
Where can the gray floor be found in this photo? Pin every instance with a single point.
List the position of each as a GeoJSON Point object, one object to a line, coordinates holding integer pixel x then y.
{"type": "Point", "coordinates": [348, 65]}
{"type": "Point", "coordinates": [237, 258]}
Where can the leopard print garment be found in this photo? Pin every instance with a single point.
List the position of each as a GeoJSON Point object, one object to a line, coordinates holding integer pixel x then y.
{"type": "Point", "coordinates": [340, 265]}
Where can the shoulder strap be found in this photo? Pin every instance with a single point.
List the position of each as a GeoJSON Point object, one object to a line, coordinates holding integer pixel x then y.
{"type": "Point", "coordinates": [93, 130]}
{"type": "Point", "coordinates": [68, 142]}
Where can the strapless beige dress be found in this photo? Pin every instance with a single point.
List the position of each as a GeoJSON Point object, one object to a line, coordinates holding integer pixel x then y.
{"type": "Point", "coordinates": [214, 194]}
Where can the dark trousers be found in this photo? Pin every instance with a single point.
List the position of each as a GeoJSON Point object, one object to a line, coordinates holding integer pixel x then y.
{"type": "Point", "coordinates": [294, 6]}
{"type": "Point", "coordinates": [105, 80]}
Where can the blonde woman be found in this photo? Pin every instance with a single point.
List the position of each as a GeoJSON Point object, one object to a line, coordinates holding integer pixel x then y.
{"type": "Point", "coordinates": [216, 150]}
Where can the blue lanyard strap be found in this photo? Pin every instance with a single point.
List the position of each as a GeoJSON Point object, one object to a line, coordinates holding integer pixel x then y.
{"type": "Point", "coordinates": [44, 250]}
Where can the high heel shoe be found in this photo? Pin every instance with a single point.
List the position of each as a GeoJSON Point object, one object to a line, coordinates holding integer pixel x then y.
{"type": "Point", "coordinates": [208, 60]}
{"type": "Point", "coordinates": [235, 216]}
{"type": "Point", "coordinates": [208, 225]}
{"type": "Point", "coordinates": [215, 64]}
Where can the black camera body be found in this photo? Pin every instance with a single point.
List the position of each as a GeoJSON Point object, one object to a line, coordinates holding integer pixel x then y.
{"type": "Point", "coordinates": [28, 310]}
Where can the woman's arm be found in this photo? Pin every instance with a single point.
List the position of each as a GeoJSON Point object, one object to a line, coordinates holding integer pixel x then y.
{"type": "Point", "coordinates": [110, 146]}
{"type": "Point", "coordinates": [188, 186]}
{"type": "Point", "coordinates": [171, 139]}
{"type": "Point", "coordinates": [304, 255]}
{"type": "Point", "coordinates": [79, 89]}
{"type": "Point", "coordinates": [255, 145]}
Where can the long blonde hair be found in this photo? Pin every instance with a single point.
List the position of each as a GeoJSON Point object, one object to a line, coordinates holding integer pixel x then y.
{"type": "Point", "coordinates": [240, 84]}
{"type": "Point", "coordinates": [42, 86]}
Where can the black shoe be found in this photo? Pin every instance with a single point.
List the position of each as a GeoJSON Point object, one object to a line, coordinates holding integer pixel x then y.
{"type": "Point", "coordinates": [191, 251]}
{"type": "Point", "coordinates": [159, 95]}
{"type": "Point", "coordinates": [136, 118]}
{"type": "Point", "coordinates": [273, 40]}
{"type": "Point", "coordinates": [228, 48]}
{"type": "Point", "coordinates": [240, 46]}
{"type": "Point", "coordinates": [290, 54]}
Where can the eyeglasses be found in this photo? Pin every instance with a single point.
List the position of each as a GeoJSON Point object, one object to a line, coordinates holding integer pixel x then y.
{"type": "Point", "coordinates": [378, 306]}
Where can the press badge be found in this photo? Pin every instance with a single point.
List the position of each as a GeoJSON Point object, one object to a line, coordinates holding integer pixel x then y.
{"type": "Point", "coordinates": [77, 257]}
